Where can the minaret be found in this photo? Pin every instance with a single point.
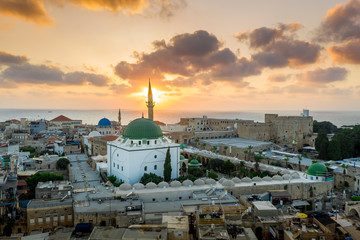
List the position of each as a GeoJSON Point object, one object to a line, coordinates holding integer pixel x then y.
{"type": "Point", "coordinates": [119, 117]}
{"type": "Point", "coordinates": [150, 103]}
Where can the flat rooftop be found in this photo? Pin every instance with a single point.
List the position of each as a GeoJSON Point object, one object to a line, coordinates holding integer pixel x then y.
{"type": "Point", "coordinates": [39, 203]}
{"type": "Point", "coordinates": [235, 142]}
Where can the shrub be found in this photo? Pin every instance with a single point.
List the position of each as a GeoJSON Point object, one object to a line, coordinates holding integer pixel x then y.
{"type": "Point", "coordinates": [151, 177]}
{"type": "Point", "coordinates": [62, 163]}
{"type": "Point", "coordinates": [213, 175]}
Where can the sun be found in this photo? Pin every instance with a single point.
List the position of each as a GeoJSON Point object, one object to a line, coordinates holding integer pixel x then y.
{"type": "Point", "coordinates": [157, 94]}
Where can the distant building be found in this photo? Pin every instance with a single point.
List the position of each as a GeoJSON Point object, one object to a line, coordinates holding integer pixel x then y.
{"type": "Point", "coordinates": [66, 147]}
{"type": "Point", "coordinates": [105, 127]}
{"type": "Point", "coordinates": [37, 127]}
{"type": "Point", "coordinates": [64, 122]}
{"type": "Point", "coordinates": [141, 149]}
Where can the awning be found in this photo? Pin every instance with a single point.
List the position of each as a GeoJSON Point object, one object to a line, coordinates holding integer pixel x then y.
{"type": "Point", "coordinates": [300, 203]}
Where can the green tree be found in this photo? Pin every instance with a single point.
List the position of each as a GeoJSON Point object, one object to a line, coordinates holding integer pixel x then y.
{"type": "Point", "coordinates": [112, 179]}
{"type": "Point", "coordinates": [196, 171]}
{"type": "Point", "coordinates": [213, 175]}
{"type": "Point", "coordinates": [325, 126]}
{"type": "Point", "coordinates": [62, 163]}
{"type": "Point", "coordinates": [33, 180]}
{"type": "Point", "coordinates": [299, 161]}
{"type": "Point", "coordinates": [257, 159]}
{"type": "Point", "coordinates": [150, 177]}
{"type": "Point", "coordinates": [183, 168]}
{"type": "Point", "coordinates": [321, 145]}
{"type": "Point", "coordinates": [228, 167]}
{"type": "Point", "coordinates": [28, 149]}
{"type": "Point", "coordinates": [167, 166]}
{"type": "Point", "coordinates": [287, 162]}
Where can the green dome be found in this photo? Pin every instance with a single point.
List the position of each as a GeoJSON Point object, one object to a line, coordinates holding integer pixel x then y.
{"type": "Point", "coordinates": [194, 163]}
{"type": "Point", "coordinates": [317, 169]}
{"type": "Point", "coordinates": [142, 128]}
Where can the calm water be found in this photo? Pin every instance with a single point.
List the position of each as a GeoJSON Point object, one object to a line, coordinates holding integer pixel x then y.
{"type": "Point", "coordinates": [339, 118]}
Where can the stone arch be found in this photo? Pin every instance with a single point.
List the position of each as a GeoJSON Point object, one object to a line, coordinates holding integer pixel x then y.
{"type": "Point", "coordinates": [354, 213]}
{"type": "Point", "coordinates": [259, 233]}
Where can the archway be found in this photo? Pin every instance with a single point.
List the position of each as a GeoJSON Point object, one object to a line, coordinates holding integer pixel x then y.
{"type": "Point", "coordinates": [259, 233]}
{"type": "Point", "coordinates": [354, 213]}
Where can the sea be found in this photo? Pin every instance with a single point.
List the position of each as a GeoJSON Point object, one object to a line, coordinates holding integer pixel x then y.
{"type": "Point", "coordinates": [92, 117]}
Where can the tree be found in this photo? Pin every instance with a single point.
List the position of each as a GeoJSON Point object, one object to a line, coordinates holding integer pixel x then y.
{"type": "Point", "coordinates": [257, 159]}
{"type": "Point", "coordinates": [299, 162]}
{"type": "Point", "coordinates": [183, 168]}
{"type": "Point", "coordinates": [214, 148]}
{"type": "Point", "coordinates": [225, 148]}
{"type": "Point", "coordinates": [62, 163]}
{"type": "Point", "coordinates": [150, 177]}
{"type": "Point", "coordinates": [249, 152]}
{"type": "Point", "coordinates": [287, 162]}
{"type": "Point", "coordinates": [213, 175]}
{"type": "Point", "coordinates": [325, 126]}
{"type": "Point", "coordinates": [321, 145]}
{"type": "Point", "coordinates": [33, 180]}
{"type": "Point", "coordinates": [227, 167]}
{"type": "Point", "coordinates": [196, 171]}
{"type": "Point", "coordinates": [334, 150]}
{"type": "Point", "coordinates": [112, 178]}
{"type": "Point", "coordinates": [167, 166]}
{"type": "Point", "coordinates": [204, 145]}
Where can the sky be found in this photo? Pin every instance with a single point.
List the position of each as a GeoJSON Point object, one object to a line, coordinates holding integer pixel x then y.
{"type": "Point", "coordinates": [201, 55]}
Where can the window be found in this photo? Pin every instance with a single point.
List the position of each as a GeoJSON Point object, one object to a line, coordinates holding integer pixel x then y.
{"type": "Point", "coordinates": [114, 164]}
{"type": "Point", "coordinates": [40, 220]}
{"type": "Point", "coordinates": [155, 141]}
{"type": "Point", "coordinates": [32, 221]}
{"type": "Point", "coordinates": [155, 167]}
{"type": "Point", "coordinates": [139, 142]}
{"type": "Point", "coordinates": [180, 198]}
{"type": "Point", "coordinates": [155, 156]}
{"type": "Point", "coordinates": [118, 166]}
{"type": "Point", "coordinates": [148, 142]}
{"type": "Point", "coordinates": [69, 216]}
{"type": "Point", "coordinates": [153, 199]}
{"type": "Point", "coordinates": [117, 154]}
{"type": "Point", "coordinates": [55, 218]}
{"type": "Point", "coordinates": [145, 168]}
{"type": "Point", "coordinates": [47, 219]}
{"type": "Point", "coordinates": [132, 142]}
{"type": "Point", "coordinates": [122, 168]}
{"type": "Point", "coordinates": [62, 218]}
{"type": "Point", "coordinates": [167, 199]}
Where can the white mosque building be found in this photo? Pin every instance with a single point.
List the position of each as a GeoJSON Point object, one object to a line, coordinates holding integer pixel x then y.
{"type": "Point", "coordinates": [141, 149]}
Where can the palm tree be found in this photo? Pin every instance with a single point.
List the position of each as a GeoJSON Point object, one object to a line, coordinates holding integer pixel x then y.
{"type": "Point", "coordinates": [214, 148]}
{"type": "Point", "coordinates": [225, 148]}
{"type": "Point", "coordinates": [249, 150]}
{"type": "Point", "coordinates": [204, 145]}
{"type": "Point", "coordinates": [257, 158]}
{"type": "Point", "coordinates": [246, 152]}
{"type": "Point", "coordinates": [241, 166]}
{"type": "Point", "coordinates": [300, 158]}
{"type": "Point", "coordinates": [287, 162]}
{"type": "Point", "coordinates": [344, 166]}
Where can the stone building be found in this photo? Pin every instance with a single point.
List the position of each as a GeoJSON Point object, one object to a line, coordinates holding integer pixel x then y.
{"type": "Point", "coordinates": [48, 214]}
{"type": "Point", "coordinates": [99, 144]}
{"type": "Point", "coordinates": [53, 190]}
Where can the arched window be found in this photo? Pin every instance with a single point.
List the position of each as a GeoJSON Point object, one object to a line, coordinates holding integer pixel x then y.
{"type": "Point", "coordinates": [145, 168]}
{"type": "Point", "coordinates": [155, 167]}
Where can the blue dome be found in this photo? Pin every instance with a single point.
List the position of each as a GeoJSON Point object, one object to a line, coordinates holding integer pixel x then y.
{"type": "Point", "coordinates": [104, 122]}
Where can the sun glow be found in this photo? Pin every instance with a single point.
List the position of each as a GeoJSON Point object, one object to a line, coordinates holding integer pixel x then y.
{"type": "Point", "coordinates": [158, 95]}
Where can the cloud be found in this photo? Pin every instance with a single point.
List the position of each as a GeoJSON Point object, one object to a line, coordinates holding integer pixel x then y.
{"type": "Point", "coordinates": [10, 59]}
{"type": "Point", "coordinates": [49, 75]}
{"type": "Point", "coordinates": [341, 23]}
{"type": "Point", "coordinates": [193, 57]}
{"type": "Point", "coordinates": [263, 36]}
{"type": "Point", "coordinates": [278, 77]}
{"type": "Point", "coordinates": [163, 8]}
{"type": "Point", "coordinates": [348, 52]}
{"type": "Point", "coordinates": [276, 47]}
{"type": "Point", "coordinates": [30, 10]}
{"type": "Point", "coordinates": [321, 77]}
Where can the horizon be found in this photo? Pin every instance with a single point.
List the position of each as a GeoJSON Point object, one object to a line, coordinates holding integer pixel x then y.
{"type": "Point", "coordinates": [239, 56]}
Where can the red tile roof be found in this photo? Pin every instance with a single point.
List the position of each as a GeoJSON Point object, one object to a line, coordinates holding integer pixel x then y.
{"type": "Point", "coordinates": [110, 138]}
{"type": "Point", "coordinates": [160, 123]}
{"type": "Point", "coordinates": [61, 118]}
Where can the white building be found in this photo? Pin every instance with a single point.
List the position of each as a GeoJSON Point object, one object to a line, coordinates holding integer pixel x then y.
{"type": "Point", "coordinates": [141, 149]}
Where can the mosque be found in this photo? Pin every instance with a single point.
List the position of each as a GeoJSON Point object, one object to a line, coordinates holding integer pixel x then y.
{"type": "Point", "coordinates": [141, 149]}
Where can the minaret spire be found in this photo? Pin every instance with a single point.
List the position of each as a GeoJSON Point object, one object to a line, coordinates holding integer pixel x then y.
{"type": "Point", "coordinates": [150, 103]}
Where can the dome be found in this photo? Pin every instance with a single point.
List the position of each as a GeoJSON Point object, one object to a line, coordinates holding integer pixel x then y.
{"type": "Point", "coordinates": [187, 182]}
{"type": "Point", "coordinates": [138, 186]}
{"type": "Point", "coordinates": [286, 176]}
{"type": "Point", "coordinates": [175, 184]}
{"type": "Point", "coordinates": [277, 178]}
{"type": "Point", "coordinates": [295, 175]}
{"type": "Point", "coordinates": [163, 185]}
{"type": "Point", "coordinates": [199, 182]}
{"type": "Point", "coordinates": [104, 122]}
{"type": "Point", "coordinates": [210, 181]}
{"type": "Point", "coordinates": [256, 179]}
{"type": "Point", "coordinates": [142, 128]}
{"type": "Point", "coordinates": [150, 185]}
{"type": "Point", "coordinates": [246, 179]}
{"type": "Point", "coordinates": [221, 180]}
{"type": "Point", "coordinates": [194, 163]}
{"type": "Point", "coordinates": [267, 179]}
{"type": "Point", "coordinates": [125, 187]}
{"type": "Point", "coordinates": [94, 134]}
{"type": "Point", "coordinates": [236, 180]}
{"type": "Point", "coordinates": [317, 169]}
{"type": "Point", "coordinates": [228, 183]}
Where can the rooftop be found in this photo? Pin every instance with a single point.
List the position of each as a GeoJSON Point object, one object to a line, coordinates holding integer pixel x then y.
{"type": "Point", "coordinates": [235, 142]}
{"type": "Point", "coordinates": [60, 118]}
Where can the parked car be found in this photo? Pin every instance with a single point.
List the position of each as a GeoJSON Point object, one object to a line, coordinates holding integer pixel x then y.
{"type": "Point", "coordinates": [333, 212]}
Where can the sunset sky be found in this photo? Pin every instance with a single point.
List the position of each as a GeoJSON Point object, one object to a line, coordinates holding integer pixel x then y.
{"type": "Point", "coordinates": [216, 55]}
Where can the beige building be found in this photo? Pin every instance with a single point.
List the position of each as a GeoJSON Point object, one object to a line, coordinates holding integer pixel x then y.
{"type": "Point", "coordinates": [99, 144]}
{"type": "Point", "coordinates": [47, 215]}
